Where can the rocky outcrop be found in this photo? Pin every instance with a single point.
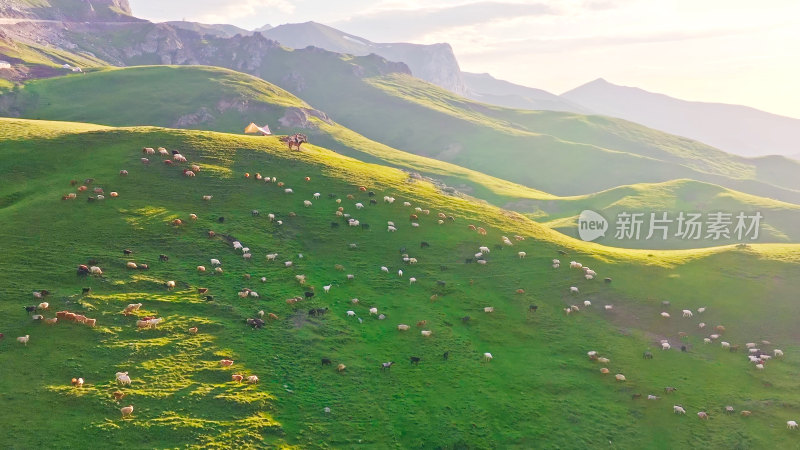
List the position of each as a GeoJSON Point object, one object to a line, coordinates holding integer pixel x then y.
{"type": "Point", "coordinates": [301, 118]}
{"type": "Point", "coordinates": [69, 10]}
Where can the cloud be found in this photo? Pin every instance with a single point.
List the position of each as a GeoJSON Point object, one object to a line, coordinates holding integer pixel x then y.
{"type": "Point", "coordinates": [408, 23]}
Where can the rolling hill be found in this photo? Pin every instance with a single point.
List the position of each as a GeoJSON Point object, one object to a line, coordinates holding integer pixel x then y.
{"type": "Point", "coordinates": [223, 100]}
{"type": "Point", "coordinates": [539, 379]}
{"type": "Point", "coordinates": [736, 129]}
{"type": "Point", "coordinates": [367, 93]}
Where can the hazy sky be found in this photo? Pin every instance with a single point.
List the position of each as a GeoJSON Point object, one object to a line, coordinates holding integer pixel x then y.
{"type": "Point", "coordinates": [731, 51]}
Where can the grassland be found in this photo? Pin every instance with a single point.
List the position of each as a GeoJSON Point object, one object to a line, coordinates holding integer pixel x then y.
{"type": "Point", "coordinates": [540, 391]}
{"type": "Point", "coordinates": [225, 100]}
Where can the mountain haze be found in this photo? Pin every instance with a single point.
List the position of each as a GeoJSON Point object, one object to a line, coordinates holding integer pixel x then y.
{"type": "Point", "coordinates": [737, 129]}
{"type": "Point", "coordinates": [434, 63]}
{"type": "Point", "coordinates": [487, 89]}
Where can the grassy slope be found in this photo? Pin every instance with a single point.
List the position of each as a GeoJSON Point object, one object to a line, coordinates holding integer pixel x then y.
{"type": "Point", "coordinates": [431, 122]}
{"type": "Point", "coordinates": [123, 97]}
{"type": "Point", "coordinates": [137, 97]}
{"type": "Point", "coordinates": [540, 390]}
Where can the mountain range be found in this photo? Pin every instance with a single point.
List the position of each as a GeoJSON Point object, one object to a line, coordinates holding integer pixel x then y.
{"type": "Point", "coordinates": [544, 164]}
{"type": "Point", "coordinates": [737, 129]}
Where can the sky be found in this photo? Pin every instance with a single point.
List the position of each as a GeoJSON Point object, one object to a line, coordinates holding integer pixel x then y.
{"type": "Point", "coordinates": [728, 51]}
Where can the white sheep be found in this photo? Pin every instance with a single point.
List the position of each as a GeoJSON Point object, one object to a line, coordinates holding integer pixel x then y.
{"type": "Point", "coordinates": [488, 309]}
{"type": "Point", "coordinates": [24, 339]}
{"type": "Point", "coordinates": [359, 205]}
{"type": "Point", "coordinates": [481, 261]}
{"type": "Point", "coordinates": [316, 195]}
{"type": "Point", "coordinates": [391, 228]}
{"type": "Point", "coordinates": [271, 256]}
{"type": "Point", "coordinates": [701, 325]}
{"type": "Point", "coordinates": [237, 245]}
{"type": "Point", "coordinates": [487, 357]}
{"type": "Point", "coordinates": [522, 254]}
{"type": "Point", "coordinates": [327, 288]}
{"type": "Point", "coordinates": [555, 261]}
{"type": "Point", "coordinates": [412, 280]}
{"type": "Point", "coordinates": [701, 310]}
{"type": "Point", "coordinates": [725, 344]}
{"type": "Point", "coordinates": [760, 366]}
{"type": "Point", "coordinates": [400, 273]}
{"type": "Point", "coordinates": [406, 204]}
{"type": "Point", "coordinates": [791, 424]}
{"type": "Point", "coordinates": [373, 311]}
{"type": "Point", "coordinates": [288, 191]}
{"type": "Point", "coordinates": [665, 315]}
{"type": "Point", "coordinates": [426, 333]}
{"type": "Point", "coordinates": [287, 264]}
{"type": "Point", "coordinates": [587, 303]}
{"type": "Point", "coordinates": [706, 340]}
{"type": "Point", "coordinates": [351, 313]}
{"type": "Point", "coordinates": [384, 269]}
{"type": "Point", "coordinates": [665, 346]}
{"type": "Point", "coordinates": [778, 353]}
{"type": "Point", "coordinates": [573, 289]}
{"type": "Point", "coordinates": [678, 409]}
{"type": "Point", "coordinates": [484, 249]}
{"type": "Point", "coordinates": [403, 327]}
{"type": "Point", "coordinates": [609, 307]}
{"type": "Point", "coordinates": [215, 262]}
{"type": "Point", "coordinates": [687, 313]}
{"type": "Point", "coordinates": [306, 203]}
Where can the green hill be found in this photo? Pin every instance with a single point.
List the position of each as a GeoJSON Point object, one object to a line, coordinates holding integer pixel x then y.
{"type": "Point", "coordinates": [539, 381]}
{"type": "Point", "coordinates": [548, 151]}
{"type": "Point", "coordinates": [223, 100]}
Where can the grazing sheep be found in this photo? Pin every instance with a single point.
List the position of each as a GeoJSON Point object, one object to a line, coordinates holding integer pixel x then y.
{"type": "Point", "coordinates": [193, 330]}
{"type": "Point", "coordinates": [777, 353]}
{"type": "Point", "coordinates": [746, 413]}
{"type": "Point", "coordinates": [587, 303]}
{"type": "Point", "coordinates": [603, 360]}
{"type": "Point", "coordinates": [522, 254]}
{"type": "Point", "coordinates": [373, 311]}
{"type": "Point", "coordinates": [237, 377]}
{"type": "Point", "coordinates": [252, 379]}
{"type": "Point", "coordinates": [207, 197]}
{"type": "Point", "coordinates": [665, 315]}
{"type": "Point", "coordinates": [725, 344]}
{"type": "Point", "coordinates": [701, 310]}
{"type": "Point", "coordinates": [422, 323]}
{"type": "Point", "coordinates": [687, 313]}
{"type": "Point", "coordinates": [126, 411]}
{"type": "Point", "coordinates": [652, 397]}
{"type": "Point", "coordinates": [702, 415]}
{"type": "Point", "coordinates": [604, 370]}
{"type": "Point", "coordinates": [665, 346]}
{"type": "Point", "coordinates": [201, 268]}
{"type": "Point", "coordinates": [340, 368]}
{"type": "Point", "coordinates": [701, 325]}
{"type": "Point", "coordinates": [403, 327]}
{"type": "Point", "coordinates": [760, 366]}
{"type": "Point", "coordinates": [619, 377]}
{"type": "Point", "coordinates": [43, 305]}
{"type": "Point", "coordinates": [426, 333]}
{"type": "Point", "coordinates": [791, 424]}
{"type": "Point", "coordinates": [400, 273]}
{"type": "Point", "coordinates": [307, 203]}
{"type": "Point", "coordinates": [412, 280]}
{"type": "Point", "coordinates": [225, 362]}
{"type": "Point", "coordinates": [678, 409]}
{"type": "Point", "coordinates": [488, 309]}
{"type": "Point", "coordinates": [123, 378]}
{"type": "Point", "coordinates": [609, 307]}
{"type": "Point", "coordinates": [24, 339]}
{"type": "Point", "coordinates": [289, 191]}
{"type": "Point", "coordinates": [487, 357]}
{"type": "Point", "coordinates": [170, 285]}
{"type": "Point", "coordinates": [573, 290]}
